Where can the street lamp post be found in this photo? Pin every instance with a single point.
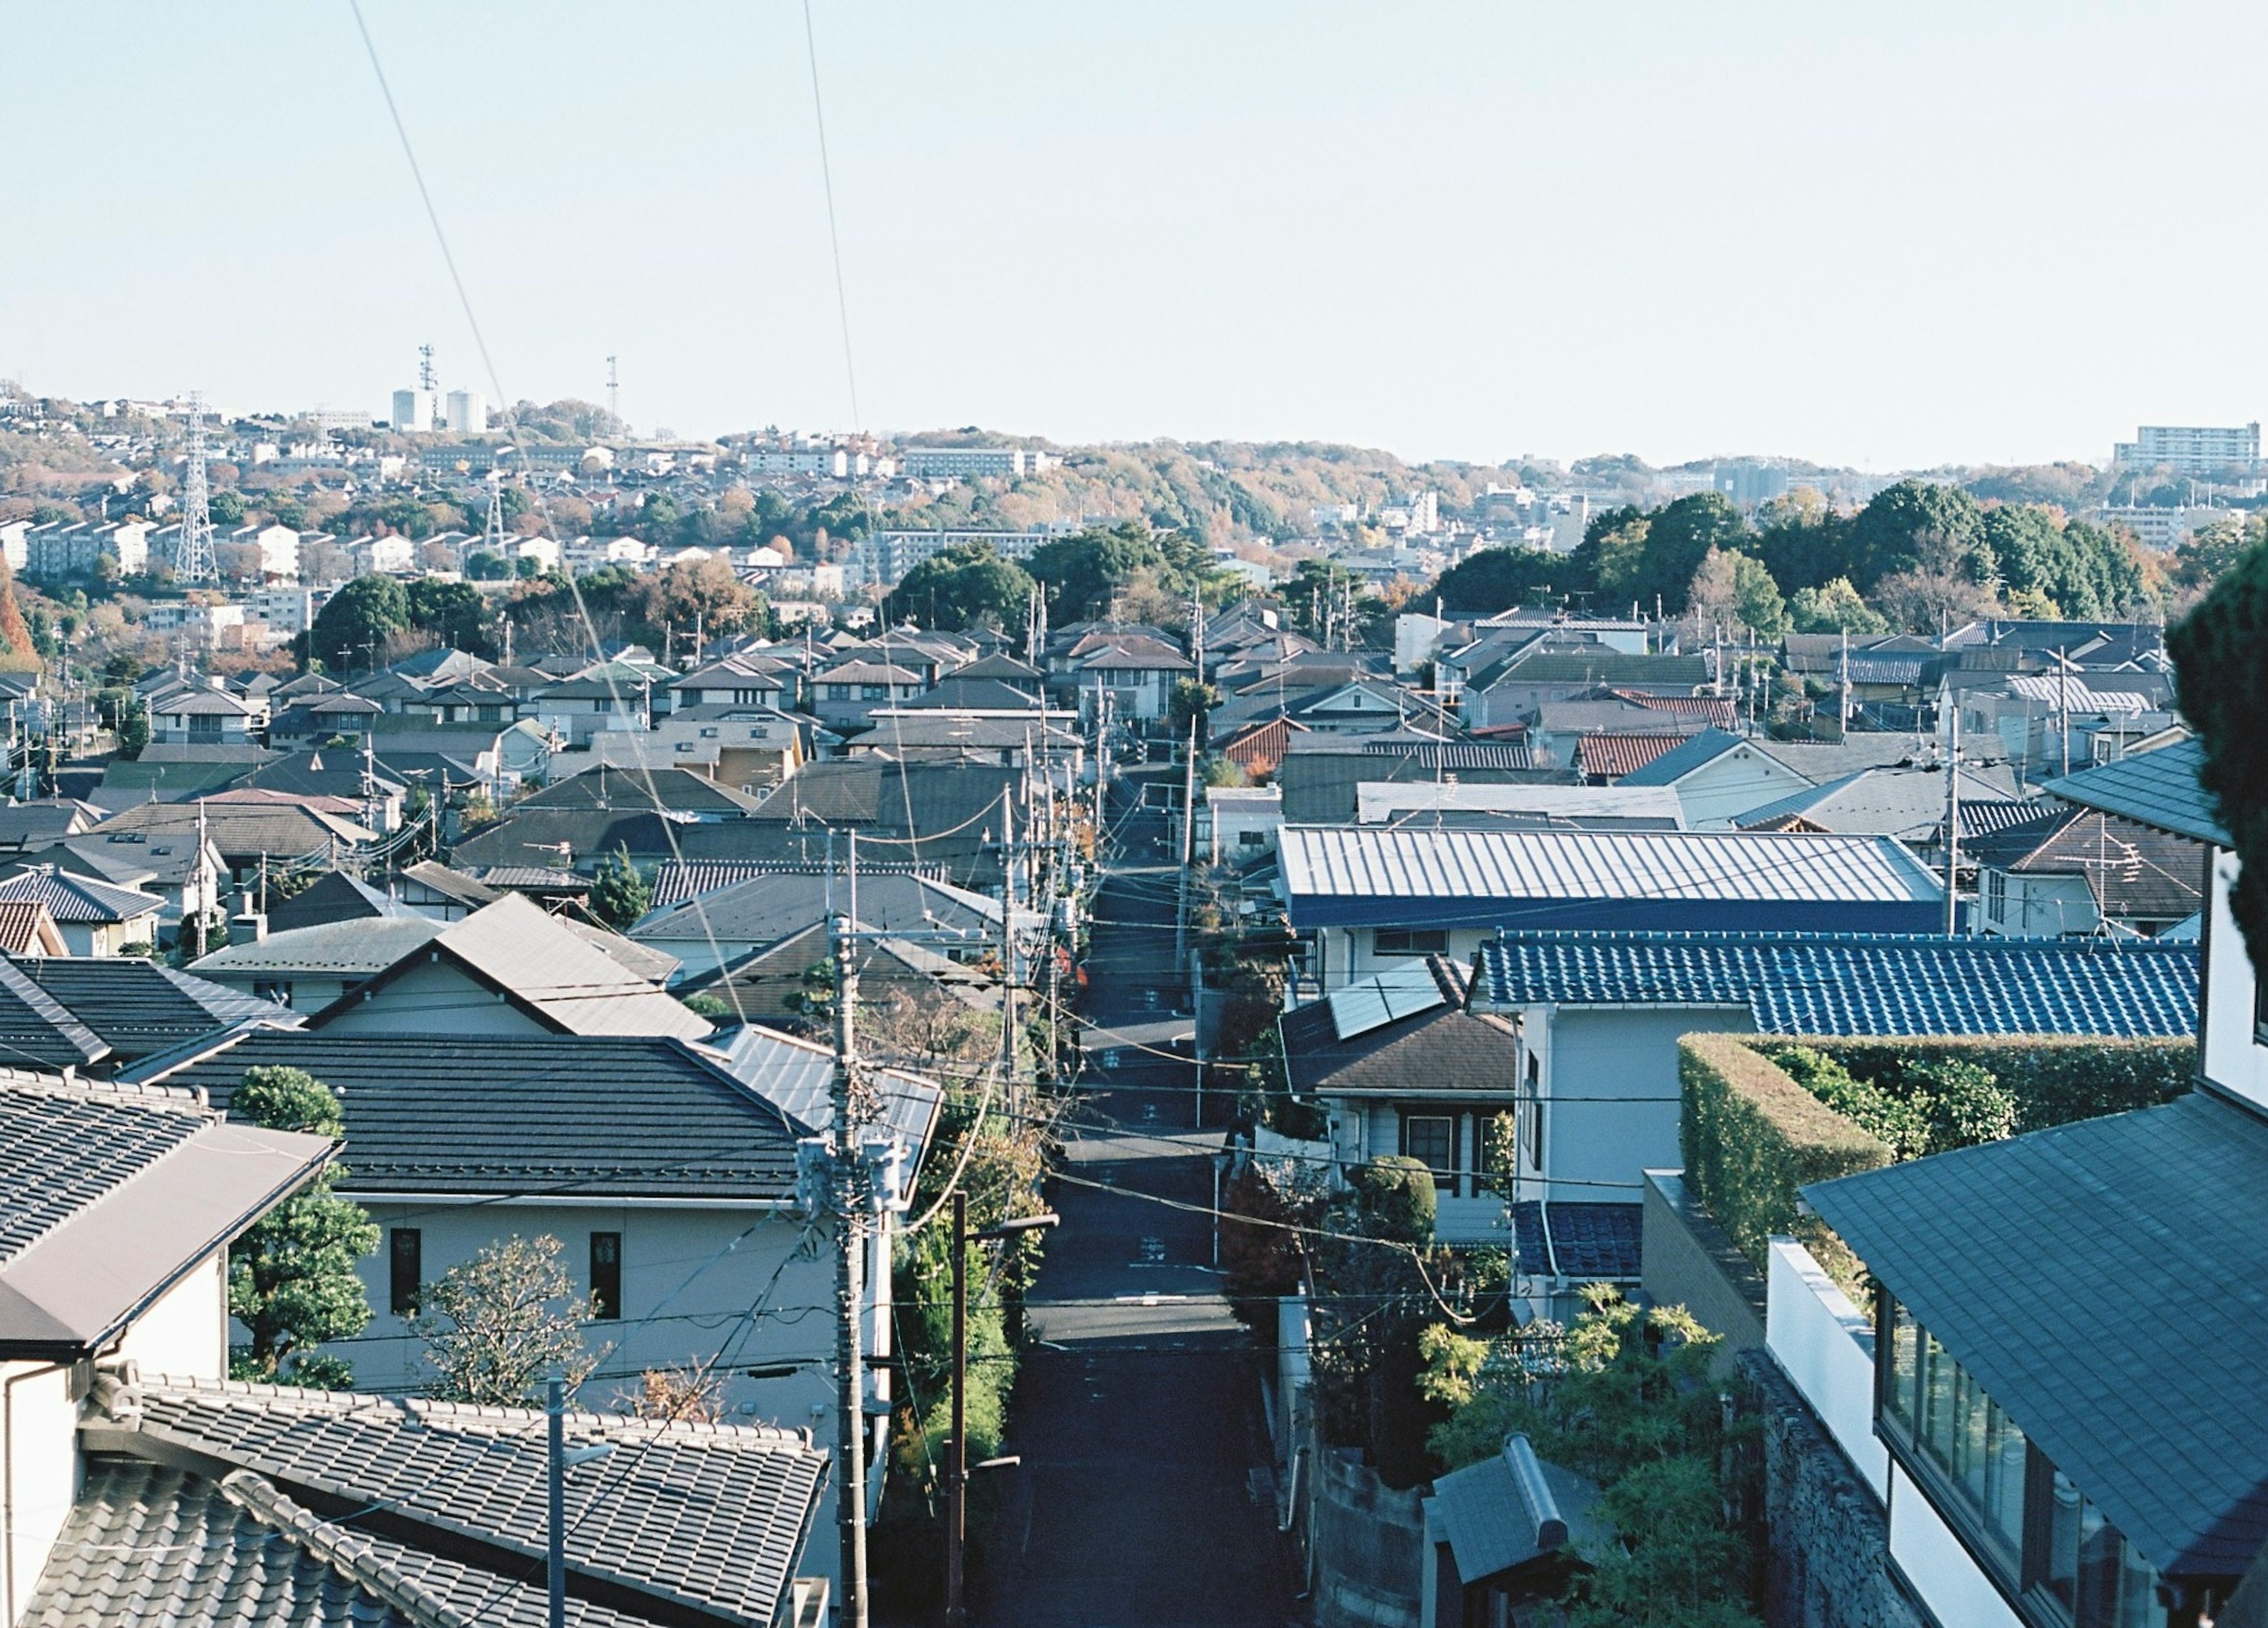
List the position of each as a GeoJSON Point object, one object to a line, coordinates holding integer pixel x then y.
{"type": "Point", "coordinates": [956, 1463]}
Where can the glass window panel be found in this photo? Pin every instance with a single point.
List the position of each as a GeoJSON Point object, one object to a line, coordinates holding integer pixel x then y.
{"type": "Point", "coordinates": [1905, 1360]}
{"type": "Point", "coordinates": [1937, 1399]}
{"type": "Point", "coordinates": [2004, 1480]}
{"type": "Point", "coordinates": [2060, 1566]}
{"type": "Point", "coordinates": [2098, 1569]}
{"type": "Point", "coordinates": [2138, 1587]}
{"type": "Point", "coordinates": [1432, 1141]}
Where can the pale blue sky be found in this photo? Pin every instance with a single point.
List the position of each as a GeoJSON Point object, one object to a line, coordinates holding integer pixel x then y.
{"type": "Point", "coordinates": [1886, 235]}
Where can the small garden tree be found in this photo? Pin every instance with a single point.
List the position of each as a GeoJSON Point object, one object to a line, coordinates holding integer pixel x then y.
{"type": "Point", "coordinates": [500, 1324]}
{"type": "Point", "coordinates": [291, 1278]}
{"type": "Point", "coordinates": [1627, 1400]}
{"type": "Point", "coordinates": [619, 893]}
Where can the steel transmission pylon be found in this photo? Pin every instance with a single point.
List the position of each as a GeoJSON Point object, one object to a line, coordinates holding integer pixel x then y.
{"type": "Point", "coordinates": [193, 561]}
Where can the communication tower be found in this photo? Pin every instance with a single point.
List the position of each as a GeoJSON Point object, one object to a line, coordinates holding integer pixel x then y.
{"type": "Point", "coordinates": [425, 369]}
{"type": "Point", "coordinates": [614, 396]}
{"type": "Point", "coordinates": [193, 561]}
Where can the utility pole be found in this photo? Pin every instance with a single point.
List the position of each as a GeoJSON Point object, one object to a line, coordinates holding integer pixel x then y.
{"type": "Point", "coordinates": [2062, 706]}
{"type": "Point", "coordinates": [956, 1462]}
{"type": "Point", "coordinates": [850, 1379]}
{"type": "Point", "coordinates": [1189, 833]}
{"type": "Point", "coordinates": [555, 1568]}
{"type": "Point", "coordinates": [1953, 827]}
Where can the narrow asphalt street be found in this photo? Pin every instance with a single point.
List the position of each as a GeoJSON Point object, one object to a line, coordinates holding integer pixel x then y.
{"type": "Point", "coordinates": [1144, 1500]}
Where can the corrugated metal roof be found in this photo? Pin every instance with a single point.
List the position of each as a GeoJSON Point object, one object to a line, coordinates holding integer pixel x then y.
{"type": "Point", "coordinates": [1323, 862]}
{"type": "Point", "coordinates": [1861, 983]}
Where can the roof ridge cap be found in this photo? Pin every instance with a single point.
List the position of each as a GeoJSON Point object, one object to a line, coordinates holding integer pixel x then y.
{"type": "Point", "coordinates": [349, 1553]}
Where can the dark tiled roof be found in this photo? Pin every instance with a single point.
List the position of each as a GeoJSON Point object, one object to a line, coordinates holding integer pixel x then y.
{"type": "Point", "coordinates": [1588, 1242]}
{"type": "Point", "coordinates": [35, 1028]}
{"type": "Point", "coordinates": [139, 1008]}
{"type": "Point", "coordinates": [2157, 788]}
{"type": "Point", "coordinates": [2134, 870]}
{"type": "Point", "coordinates": [637, 1116]}
{"type": "Point", "coordinates": [1861, 983]}
{"type": "Point", "coordinates": [1443, 1048]}
{"type": "Point", "coordinates": [676, 881]}
{"type": "Point", "coordinates": [685, 1522]}
{"type": "Point", "coordinates": [2103, 1281]}
{"type": "Point", "coordinates": [677, 790]}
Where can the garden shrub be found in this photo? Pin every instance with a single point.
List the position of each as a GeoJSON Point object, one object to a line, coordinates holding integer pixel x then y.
{"type": "Point", "coordinates": [1752, 1137]}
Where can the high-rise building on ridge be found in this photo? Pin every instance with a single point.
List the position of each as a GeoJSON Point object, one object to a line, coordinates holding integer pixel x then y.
{"type": "Point", "coordinates": [2192, 449]}
{"type": "Point", "coordinates": [468, 412]}
{"type": "Point", "coordinates": [413, 411]}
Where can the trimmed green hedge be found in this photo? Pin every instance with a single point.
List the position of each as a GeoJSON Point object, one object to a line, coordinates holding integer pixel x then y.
{"type": "Point", "coordinates": [1751, 1137]}
{"type": "Point", "coordinates": [2054, 1080]}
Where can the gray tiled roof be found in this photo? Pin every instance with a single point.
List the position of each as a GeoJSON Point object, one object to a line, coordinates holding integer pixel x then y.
{"type": "Point", "coordinates": [694, 1518]}
{"type": "Point", "coordinates": [150, 1544]}
{"type": "Point", "coordinates": [2155, 788]}
{"type": "Point", "coordinates": [36, 1030]}
{"type": "Point", "coordinates": [137, 1007]}
{"type": "Point", "coordinates": [61, 1149]}
{"type": "Point", "coordinates": [78, 899]}
{"type": "Point", "coordinates": [602, 1115]}
{"type": "Point", "coordinates": [2107, 1284]}
{"type": "Point", "coordinates": [1861, 983]}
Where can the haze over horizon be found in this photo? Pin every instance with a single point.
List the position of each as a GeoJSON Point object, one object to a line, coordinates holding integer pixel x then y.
{"type": "Point", "coordinates": [1941, 237]}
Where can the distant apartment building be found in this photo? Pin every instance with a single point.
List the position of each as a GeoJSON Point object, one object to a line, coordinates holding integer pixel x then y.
{"type": "Point", "coordinates": [414, 411]}
{"type": "Point", "coordinates": [2191, 449]}
{"type": "Point", "coordinates": [2163, 529]}
{"type": "Point", "coordinates": [1749, 482]}
{"type": "Point", "coordinates": [887, 556]}
{"type": "Point", "coordinates": [63, 550]}
{"type": "Point", "coordinates": [335, 419]}
{"type": "Point", "coordinates": [203, 626]}
{"type": "Point", "coordinates": [278, 546]}
{"type": "Point", "coordinates": [284, 610]}
{"type": "Point", "coordinates": [967, 463]}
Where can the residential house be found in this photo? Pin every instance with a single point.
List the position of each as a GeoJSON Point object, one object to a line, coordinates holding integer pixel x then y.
{"type": "Point", "coordinates": [117, 1207]}
{"type": "Point", "coordinates": [25, 828]}
{"type": "Point", "coordinates": [26, 928]}
{"type": "Point", "coordinates": [201, 716]}
{"type": "Point", "coordinates": [842, 695]}
{"type": "Point", "coordinates": [94, 918]}
{"type": "Point", "coordinates": [1719, 776]}
{"type": "Point", "coordinates": [1599, 1014]}
{"type": "Point", "coordinates": [1548, 667]}
{"type": "Point", "coordinates": [1366, 897]}
{"type": "Point", "coordinates": [431, 888]}
{"type": "Point", "coordinates": [1321, 773]}
{"type": "Point", "coordinates": [1240, 822]}
{"type": "Point", "coordinates": [2077, 871]}
{"type": "Point", "coordinates": [724, 926]}
{"type": "Point", "coordinates": [183, 876]}
{"type": "Point", "coordinates": [250, 838]}
{"type": "Point", "coordinates": [750, 748]}
{"type": "Point", "coordinates": [509, 968]}
{"type": "Point", "coordinates": [2036, 1449]}
{"type": "Point", "coordinates": [132, 1008]}
{"type": "Point", "coordinates": [741, 681]}
{"type": "Point", "coordinates": [577, 709]}
{"type": "Point", "coordinates": [1584, 807]}
{"type": "Point", "coordinates": [1131, 674]}
{"type": "Point", "coordinates": [679, 794]}
{"type": "Point", "coordinates": [668, 1169]}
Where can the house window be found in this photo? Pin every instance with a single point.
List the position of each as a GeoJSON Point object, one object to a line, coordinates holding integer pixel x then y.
{"type": "Point", "coordinates": [405, 1270]}
{"type": "Point", "coordinates": [1996, 895]}
{"type": "Point", "coordinates": [606, 1275]}
{"type": "Point", "coordinates": [1431, 1139]}
{"type": "Point", "coordinates": [1409, 941]}
{"type": "Point", "coordinates": [2022, 1515]}
{"type": "Point", "coordinates": [1251, 839]}
{"type": "Point", "coordinates": [1533, 1102]}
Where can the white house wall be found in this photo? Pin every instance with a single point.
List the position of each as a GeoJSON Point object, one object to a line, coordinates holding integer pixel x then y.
{"type": "Point", "coordinates": [435, 998]}
{"type": "Point", "coordinates": [1713, 795]}
{"type": "Point", "coordinates": [1610, 1085]}
{"type": "Point", "coordinates": [1826, 1348]}
{"type": "Point", "coordinates": [38, 1421]}
{"type": "Point", "coordinates": [2234, 1059]}
{"type": "Point", "coordinates": [186, 1332]}
{"type": "Point", "coordinates": [1939, 1568]}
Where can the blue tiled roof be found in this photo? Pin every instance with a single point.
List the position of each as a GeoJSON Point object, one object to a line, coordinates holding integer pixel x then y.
{"type": "Point", "coordinates": [2155, 788]}
{"type": "Point", "coordinates": [1588, 1242]}
{"type": "Point", "coordinates": [1861, 983]}
{"type": "Point", "coordinates": [1706, 747]}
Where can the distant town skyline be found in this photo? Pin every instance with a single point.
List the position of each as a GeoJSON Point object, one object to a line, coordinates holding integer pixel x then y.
{"type": "Point", "coordinates": [1868, 241]}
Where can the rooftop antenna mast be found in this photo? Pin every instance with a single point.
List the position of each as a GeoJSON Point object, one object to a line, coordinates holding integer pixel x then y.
{"type": "Point", "coordinates": [614, 396]}
{"type": "Point", "coordinates": [193, 561]}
